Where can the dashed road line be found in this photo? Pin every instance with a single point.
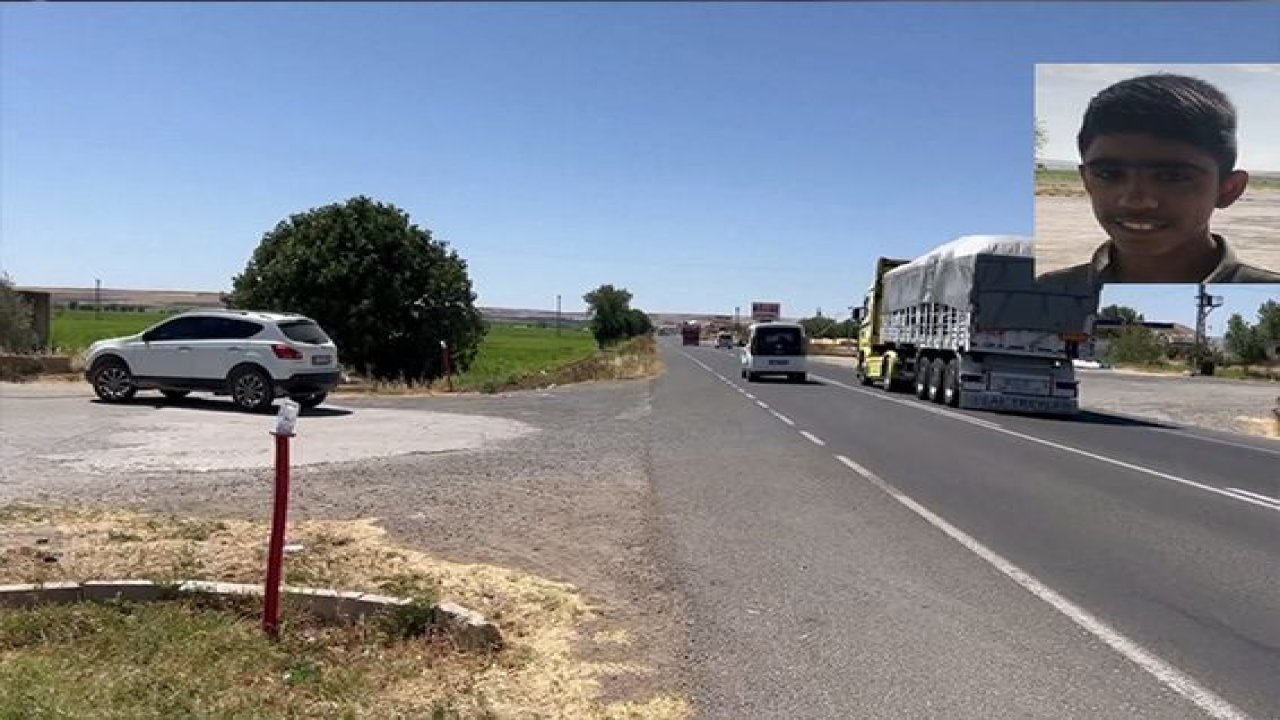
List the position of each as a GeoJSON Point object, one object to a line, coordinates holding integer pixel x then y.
{"type": "Point", "coordinates": [812, 438]}
{"type": "Point", "coordinates": [783, 418]}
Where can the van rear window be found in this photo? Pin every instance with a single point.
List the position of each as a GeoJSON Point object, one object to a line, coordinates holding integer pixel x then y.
{"type": "Point", "coordinates": [779, 341]}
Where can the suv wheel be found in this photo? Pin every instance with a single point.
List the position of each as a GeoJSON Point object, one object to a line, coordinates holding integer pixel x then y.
{"type": "Point", "coordinates": [113, 382]}
{"type": "Point", "coordinates": [251, 389]}
{"type": "Point", "coordinates": [310, 401]}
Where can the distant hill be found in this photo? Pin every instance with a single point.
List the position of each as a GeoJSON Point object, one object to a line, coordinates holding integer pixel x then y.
{"type": "Point", "coordinates": [171, 300]}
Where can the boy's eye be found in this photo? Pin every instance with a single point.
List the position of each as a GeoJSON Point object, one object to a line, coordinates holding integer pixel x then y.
{"type": "Point", "coordinates": [1106, 173]}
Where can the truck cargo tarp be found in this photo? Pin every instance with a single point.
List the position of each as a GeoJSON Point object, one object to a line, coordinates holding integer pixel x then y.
{"type": "Point", "coordinates": [994, 275]}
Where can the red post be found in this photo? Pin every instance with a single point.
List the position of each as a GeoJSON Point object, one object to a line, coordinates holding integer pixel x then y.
{"type": "Point", "coordinates": [275, 551]}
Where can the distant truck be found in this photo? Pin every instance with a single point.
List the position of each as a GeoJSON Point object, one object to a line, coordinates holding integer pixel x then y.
{"type": "Point", "coordinates": [691, 333]}
{"type": "Point", "coordinates": [968, 326]}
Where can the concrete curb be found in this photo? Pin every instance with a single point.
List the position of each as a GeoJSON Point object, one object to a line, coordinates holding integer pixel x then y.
{"type": "Point", "coordinates": [466, 627]}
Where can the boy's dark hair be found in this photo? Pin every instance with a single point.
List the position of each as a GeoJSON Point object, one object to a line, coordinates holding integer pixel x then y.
{"type": "Point", "coordinates": [1168, 106]}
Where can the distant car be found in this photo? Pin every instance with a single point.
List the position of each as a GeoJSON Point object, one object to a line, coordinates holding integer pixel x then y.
{"type": "Point", "coordinates": [724, 341]}
{"type": "Point", "coordinates": [254, 357]}
{"type": "Point", "coordinates": [776, 348]}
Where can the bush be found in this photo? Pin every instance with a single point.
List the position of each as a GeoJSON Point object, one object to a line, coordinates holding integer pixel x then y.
{"type": "Point", "coordinates": [16, 331]}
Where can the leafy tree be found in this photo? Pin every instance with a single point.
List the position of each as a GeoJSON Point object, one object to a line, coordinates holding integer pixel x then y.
{"type": "Point", "coordinates": [16, 331]}
{"type": "Point", "coordinates": [1135, 344]}
{"type": "Point", "coordinates": [1268, 326]}
{"type": "Point", "coordinates": [611, 319]}
{"type": "Point", "coordinates": [1245, 343]}
{"type": "Point", "coordinates": [1125, 315]}
{"type": "Point", "coordinates": [385, 291]}
{"type": "Point", "coordinates": [1042, 137]}
{"type": "Point", "coordinates": [639, 323]}
{"type": "Point", "coordinates": [818, 326]}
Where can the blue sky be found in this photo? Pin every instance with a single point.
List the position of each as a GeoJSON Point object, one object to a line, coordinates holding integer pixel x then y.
{"type": "Point", "coordinates": [702, 155]}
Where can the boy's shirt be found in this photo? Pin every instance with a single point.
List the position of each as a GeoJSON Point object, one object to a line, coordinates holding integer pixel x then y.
{"type": "Point", "coordinates": [1101, 269]}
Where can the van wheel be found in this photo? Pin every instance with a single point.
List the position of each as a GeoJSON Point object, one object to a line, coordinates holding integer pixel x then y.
{"type": "Point", "coordinates": [251, 389]}
{"type": "Point", "coordinates": [751, 377]}
{"type": "Point", "coordinates": [951, 384]}
{"type": "Point", "coordinates": [800, 378]}
{"type": "Point", "coordinates": [113, 382]}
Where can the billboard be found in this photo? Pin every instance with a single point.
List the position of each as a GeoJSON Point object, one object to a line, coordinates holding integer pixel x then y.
{"type": "Point", "coordinates": [765, 311]}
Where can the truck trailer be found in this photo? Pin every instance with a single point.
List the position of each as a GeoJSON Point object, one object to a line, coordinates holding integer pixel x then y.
{"type": "Point", "coordinates": [967, 325]}
{"type": "Point", "coordinates": [691, 333]}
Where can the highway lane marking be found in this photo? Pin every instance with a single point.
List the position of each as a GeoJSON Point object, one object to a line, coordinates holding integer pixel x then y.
{"type": "Point", "coordinates": [783, 418]}
{"type": "Point", "coordinates": [1183, 433]}
{"type": "Point", "coordinates": [766, 407]}
{"type": "Point", "coordinates": [936, 411]}
{"type": "Point", "coordinates": [749, 395]}
{"type": "Point", "coordinates": [1077, 451]}
{"type": "Point", "coordinates": [1168, 675]}
{"type": "Point", "coordinates": [812, 438]}
{"type": "Point", "coordinates": [1275, 502]}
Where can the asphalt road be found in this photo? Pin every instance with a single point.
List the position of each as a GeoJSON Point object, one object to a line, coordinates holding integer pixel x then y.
{"type": "Point", "coordinates": [846, 553]}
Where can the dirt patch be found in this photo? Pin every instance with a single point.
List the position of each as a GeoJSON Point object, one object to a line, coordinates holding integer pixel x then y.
{"type": "Point", "coordinates": [538, 675]}
{"type": "Point", "coordinates": [1068, 234]}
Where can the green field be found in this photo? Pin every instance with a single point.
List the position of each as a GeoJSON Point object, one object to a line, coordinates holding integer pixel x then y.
{"type": "Point", "coordinates": [74, 330]}
{"type": "Point", "coordinates": [509, 352]}
{"type": "Point", "coordinates": [512, 352]}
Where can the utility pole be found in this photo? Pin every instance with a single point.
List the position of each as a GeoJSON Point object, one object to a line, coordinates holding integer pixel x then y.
{"type": "Point", "coordinates": [1205, 303]}
{"type": "Point", "coordinates": [737, 329]}
{"type": "Point", "coordinates": [97, 298]}
{"type": "Point", "coordinates": [557, 314]}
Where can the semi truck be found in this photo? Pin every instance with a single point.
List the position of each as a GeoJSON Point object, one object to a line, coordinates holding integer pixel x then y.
{"type": "Point", "coordinates": [691, 333]}
{"type": "Point", "coordinates": [967, 325]}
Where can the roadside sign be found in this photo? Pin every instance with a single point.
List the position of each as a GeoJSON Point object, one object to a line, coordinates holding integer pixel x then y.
{"type": "Point", "coordinates": [765, 311]}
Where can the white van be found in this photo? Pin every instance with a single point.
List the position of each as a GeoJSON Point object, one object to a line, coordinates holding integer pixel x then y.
{"type": "Point", "coordinates": [776, 348]}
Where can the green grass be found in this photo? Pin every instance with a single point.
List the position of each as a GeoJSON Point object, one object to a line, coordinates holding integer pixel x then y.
{"type": "Point", "coordinates": [75, 330]}
{"type": "Point", "coordinates": [184, 659]}
{"type": "Point", "coordinates": [510, 353]}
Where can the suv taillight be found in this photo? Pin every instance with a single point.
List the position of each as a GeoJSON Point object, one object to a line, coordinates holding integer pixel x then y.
{"type": "Point", "coordinates": [284, 352]}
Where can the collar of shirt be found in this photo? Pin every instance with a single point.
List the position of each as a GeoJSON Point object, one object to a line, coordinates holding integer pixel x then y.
{"type": "Point", "coordinates": [1104, 266]}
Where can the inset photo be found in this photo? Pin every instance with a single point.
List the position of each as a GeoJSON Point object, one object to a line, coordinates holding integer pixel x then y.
{"type": "Point", "coordinates": [1157, 173]}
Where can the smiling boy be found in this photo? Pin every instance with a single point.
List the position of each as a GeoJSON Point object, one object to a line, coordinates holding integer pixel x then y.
{"type": "Point", "coordinates": [1158, 157]}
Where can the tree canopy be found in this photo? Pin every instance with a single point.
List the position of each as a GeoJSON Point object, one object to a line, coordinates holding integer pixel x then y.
{"type": "Point", "coordinates": [385, 291]}
{"type": "Point", "coordinates": [612, 317]}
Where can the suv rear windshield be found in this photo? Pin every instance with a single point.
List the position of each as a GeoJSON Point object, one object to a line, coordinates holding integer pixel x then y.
{"type": "Point", "coordinates": [304, 331]}
{"type": "Point", "coordinates": [778, 341]}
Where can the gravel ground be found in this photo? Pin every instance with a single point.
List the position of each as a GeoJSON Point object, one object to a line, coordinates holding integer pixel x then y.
{"type": "Point", "coordinates": [1067, 233]}
{"type": "Point", "coordinates": [552, 482]}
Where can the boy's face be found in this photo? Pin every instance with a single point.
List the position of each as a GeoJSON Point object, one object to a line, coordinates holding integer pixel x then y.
{"type": "Point", "coordinates": [1152, 195]}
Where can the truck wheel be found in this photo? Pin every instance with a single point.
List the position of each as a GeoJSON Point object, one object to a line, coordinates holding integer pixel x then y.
{"type": "Point", "coordinates": [251, 389]}
{"type": "Point", "coordinates": [951, 384]}
{"type": "Point", "coordinates": [861, 374]}
{"type": "Point", "coordinates": [936, 370]}
{"type": "Point", "coordinates": [922, 378]}
{"type": "Point", "coordinates": [887, 369]}
{"type": "Point", "coordinates": [113, 382]}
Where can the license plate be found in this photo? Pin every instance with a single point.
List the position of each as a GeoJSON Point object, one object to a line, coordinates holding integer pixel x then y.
{"type": "Point", "coordinates": [321, 359]}
{"type": "Point", "coordinates": [1023, 386]}
{"type": "Point", "coordinates": [778, 362]}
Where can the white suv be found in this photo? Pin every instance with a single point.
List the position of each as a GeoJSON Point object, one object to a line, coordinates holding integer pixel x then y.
{"type": "Point", "coordinates": [254, 357]}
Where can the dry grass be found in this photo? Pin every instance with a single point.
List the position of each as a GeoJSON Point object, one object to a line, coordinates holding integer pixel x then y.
{"type": "Point", "coordinates": [536, 676]}
{"type": "Point", "coordinates": [1262, 427]}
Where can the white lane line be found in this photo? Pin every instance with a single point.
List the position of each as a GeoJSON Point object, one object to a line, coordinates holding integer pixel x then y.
{"type": "Point", "coordinates": [1264, 498]}
{"type": "Point", "coordinates": [918, 406]}
{"type": "Point", "coordinates": [766, 407]}
{"type": "Point", "coordinates": [1085, 453]}
{"type": "Point", "coordinates": [749, 395]}
{"type": "Point", "coordinates": [1173, 678]}
{"type": "Point", "coordinates": [783, 418]}
{"type": "Point", "coordinates": [1181, 433]}
{"type": "Point", "coordinates": [812, 438]}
